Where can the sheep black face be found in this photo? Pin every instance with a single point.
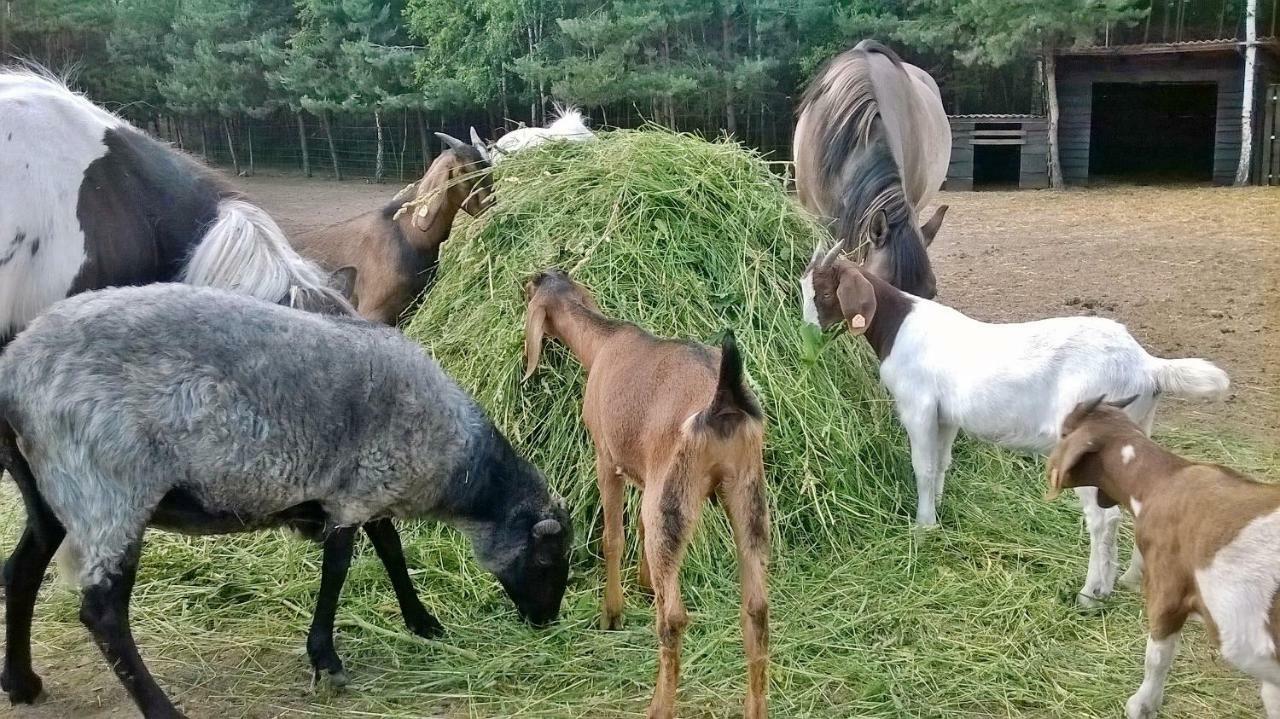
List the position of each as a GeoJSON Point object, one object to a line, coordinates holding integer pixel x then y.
{"type": "Point", "coordinates": [529, 554]}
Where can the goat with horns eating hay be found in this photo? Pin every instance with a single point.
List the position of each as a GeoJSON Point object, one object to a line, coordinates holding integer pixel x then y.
{"type": "Point", "coordinates": [395, 250]}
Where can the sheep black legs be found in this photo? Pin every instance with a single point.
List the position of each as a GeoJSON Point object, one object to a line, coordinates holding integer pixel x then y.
{"type": "Point", "coordinates": [338, 546]}
{"type": "Point", "coordinates": [386, 542]}
{"type": "Point", "coordinates": [22, 576]}
{"type": "Point", "coordinates": [104, 610]}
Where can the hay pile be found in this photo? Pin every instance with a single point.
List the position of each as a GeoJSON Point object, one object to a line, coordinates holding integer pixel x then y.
{"type": "Point", "coordinates": [685, 238]}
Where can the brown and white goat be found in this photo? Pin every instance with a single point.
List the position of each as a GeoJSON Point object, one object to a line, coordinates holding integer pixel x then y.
{"type": "Point", "coordinates": [395, 250]}
{"type": "Point", "coordinates": [1209, 535]}
{"type": "Point", "coordinates": [675, 419]}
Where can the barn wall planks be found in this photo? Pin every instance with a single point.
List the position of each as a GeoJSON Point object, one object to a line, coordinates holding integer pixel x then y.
{"type": "Point", "coordinates": [1076, 76]}
{"type": "Point", "coordinates": [1029, 132]}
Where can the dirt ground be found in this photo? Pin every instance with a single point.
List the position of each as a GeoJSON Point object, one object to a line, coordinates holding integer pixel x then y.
{"type": "Point", "coordinates": [1192, 271]}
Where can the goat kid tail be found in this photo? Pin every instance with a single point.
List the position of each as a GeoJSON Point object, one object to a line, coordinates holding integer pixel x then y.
{"type": "Point", "coordinates": [733, 404]}
{"type": "Point", "coordinates": [1191, 378]}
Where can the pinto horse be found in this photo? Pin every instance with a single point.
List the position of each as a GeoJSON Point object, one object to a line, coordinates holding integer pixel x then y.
{"type": "Point", "coordinates": [871, 148]}
{"type": "Point", "coordinates": [88, 201]}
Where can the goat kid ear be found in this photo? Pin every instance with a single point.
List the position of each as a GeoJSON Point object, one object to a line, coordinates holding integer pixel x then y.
{"type": "Point", "coordinates": [343, 280]}
{"type": "Point", "coordinates": [857, 299]}
{"type": "Point", "coordinates": [534, 319]}
{"type": "Point", "coordinates": [930, 229]}
{"type": "Point", "coordinates": [1122, 403]}
{"type": "Point", "coordinates": [1070, 450]}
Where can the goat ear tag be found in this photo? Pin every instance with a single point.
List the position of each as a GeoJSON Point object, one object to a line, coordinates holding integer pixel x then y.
{"type": "Point", "coordinates": [857, 324]}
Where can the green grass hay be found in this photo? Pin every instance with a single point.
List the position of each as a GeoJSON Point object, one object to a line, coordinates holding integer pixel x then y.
{"type": "Point", "coordinates": [870, 617]}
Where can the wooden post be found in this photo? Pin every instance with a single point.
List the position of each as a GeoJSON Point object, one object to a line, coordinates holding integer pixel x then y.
{"type": "Point", "coordinates": [1246, 102]}
{"type": "Point", "coordinates": [1051, 90]}
{"type": "Point", "coordinates": [302, 140]}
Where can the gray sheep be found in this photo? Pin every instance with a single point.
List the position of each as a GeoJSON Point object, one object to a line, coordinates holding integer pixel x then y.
{"type": "Point", "coordinates": [204, 412]}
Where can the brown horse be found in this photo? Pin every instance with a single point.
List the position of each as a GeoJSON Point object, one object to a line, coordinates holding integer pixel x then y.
{"type": "Point", "coordinates": [872, 146]}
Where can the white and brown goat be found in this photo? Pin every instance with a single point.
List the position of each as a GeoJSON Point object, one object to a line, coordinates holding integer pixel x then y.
{"type": "Point", "coordinates": [395, 250]}
{"type": "Point", "coordinates": [675, 419]}
{"type": "Point", "coordinates": [1210, 537]}
{"type": "Point", "coordinates": [1008, 383]}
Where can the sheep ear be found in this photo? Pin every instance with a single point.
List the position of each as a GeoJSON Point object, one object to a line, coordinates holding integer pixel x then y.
{"type": "Point", "coordinates": [857, 298]}
{"type": "Point", "coordinates": [1063, 460]}
{"type": "Point", "coordinates": [533, 322]}
{"type": "Point", "coordinates": [930, 229]}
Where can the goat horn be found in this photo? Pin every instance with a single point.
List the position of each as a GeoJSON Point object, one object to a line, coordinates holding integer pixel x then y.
{"type": "Point", "coordinates": [479, 145]}
{"type": "Point", "coordinates": [453, 142]}
{"type": "Point", "coordinates": [831, 255]}
{"type": "Point", "coordinates": [546, 528]}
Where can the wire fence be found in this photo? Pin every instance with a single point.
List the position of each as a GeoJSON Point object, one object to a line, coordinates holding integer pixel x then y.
{"type": "Point", "coordinates": [398, 146]}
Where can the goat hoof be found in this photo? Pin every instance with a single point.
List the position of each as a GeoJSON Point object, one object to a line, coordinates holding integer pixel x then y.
{"type": "Point", "coordinates": [1132, 583]}
{"type": "Point", "coordinates": [1140, 707]}
{"type": "Point", "coordinates": [23, 688]}
{"type": "Point", "coordinates": [611, 623]}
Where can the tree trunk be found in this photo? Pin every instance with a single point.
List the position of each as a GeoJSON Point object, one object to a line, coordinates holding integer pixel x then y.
{"type": "Point", "coordinates": [422, 137]}
{"type": "Point", "coordinates": [204, 140]}
{"type": "Point", "coordinates": [1051, 90]}
{"type": "Point", "coordinates": [333, 151]}
{"type": "Point", "coordinates": [302, 141]}
{"type": "Point", "coordinates": [231, 145]}
{"type": "Point", "coordinates": [248, 131]}
{"type": "Point", "coordinates": [726, 49]}
{"type": "Point", "coordinates": [1250, 74]}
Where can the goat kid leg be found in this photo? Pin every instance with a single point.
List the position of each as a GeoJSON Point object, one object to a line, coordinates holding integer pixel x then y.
{"type": "Point", "coordinates": [1271, 700]}
{"type": "Point", "coordinates": [923, 434]}
{"type": "Point", "coordinates": [1145, 703]}
{"type": "Point", "coordinates": [386, 542]}
{"type": "Point", "coordinates": [748, 511]}
{"type": "Point", "coordinates": [645, 579]}
{"type": "Point", "coordinates": [338, 546]}
{"type": "Point", "coordinates": [1132, 577]}
{"type": "Point", "coordinates": [104, 609]}
{"type": "Point", "coordinates": [611, 500]}
{"type": "Point", "coordinates": [942, 462]}
{"type": "Point", "coordinates": [670, 509]}
{"type": "Point", "coordinates": [1102, 525]}
{"type": "Point", "coordinates": [23, 574]}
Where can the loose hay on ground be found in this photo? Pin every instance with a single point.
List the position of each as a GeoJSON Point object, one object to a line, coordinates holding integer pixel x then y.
{"type": "Point", "coordinates": [870, 618]}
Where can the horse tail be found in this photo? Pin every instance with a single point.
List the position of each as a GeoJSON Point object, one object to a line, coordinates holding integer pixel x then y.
{"type": "Point", "coordinates": [245, 251]}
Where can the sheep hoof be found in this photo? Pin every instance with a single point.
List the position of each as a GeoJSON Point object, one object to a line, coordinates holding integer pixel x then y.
{"type": "Point", "coordinates": [21, 689]}
{"type": "Point", "coordinates": [425, 626]}
{"type": "Point", "coordinates": [337, 677]}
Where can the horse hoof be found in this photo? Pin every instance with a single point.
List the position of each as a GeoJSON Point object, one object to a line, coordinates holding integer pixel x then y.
{"type": "Point", "coordinates": [22, 690]}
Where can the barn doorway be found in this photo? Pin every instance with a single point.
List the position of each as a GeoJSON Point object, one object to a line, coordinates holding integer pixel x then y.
{"type": "Point", "coordinates": [1153, 132]}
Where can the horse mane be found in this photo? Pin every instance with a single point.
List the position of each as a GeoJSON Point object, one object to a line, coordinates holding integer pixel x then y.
{"type": "Point", "coordinates": [855, 160]}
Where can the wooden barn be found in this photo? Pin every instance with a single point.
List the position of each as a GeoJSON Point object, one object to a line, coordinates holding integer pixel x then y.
{"type": "Point", "coordinates": [1164, 103]}
{"type": "Point", "coordinates": [998, 152]}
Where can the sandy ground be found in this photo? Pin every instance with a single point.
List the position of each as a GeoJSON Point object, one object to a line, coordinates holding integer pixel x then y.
{"type": "Point", "coordinates": [1193, 272]}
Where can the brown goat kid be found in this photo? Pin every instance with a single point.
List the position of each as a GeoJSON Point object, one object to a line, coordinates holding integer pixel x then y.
{"type": "Point", "coordinates": [676, 420]}
{"type": "Point", "coordinates": [1209, 537]}
{"type": "Point", "coordinates": [395, 250]}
